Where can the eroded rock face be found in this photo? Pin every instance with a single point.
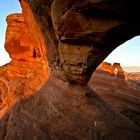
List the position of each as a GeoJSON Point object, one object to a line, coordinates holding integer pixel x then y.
{"type": "Point", "coordinates": [17, 40]}
{"type": "Point", "coordinates": [63, 111]}
{"type": "Point", "coordinates": [27, 71]}
{"type": "Point", "coordinates": [19, 43]}
{"type": "Point", "coordinates": [60, 110]}
{"type": "Point", "coordinates": [115, 69]}
{"type": "Point", "coordinates": [105, 66]}
{"type": "Point", "coordinates": [121, 94]}
{"type": "Point", "coordinates": [98, 25]}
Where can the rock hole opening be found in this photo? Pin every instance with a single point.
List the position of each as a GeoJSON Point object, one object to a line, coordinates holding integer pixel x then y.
{"type": "Point", "coordinates": [116, 71]}
{"type": "Point", "coordinates": [34, 53]}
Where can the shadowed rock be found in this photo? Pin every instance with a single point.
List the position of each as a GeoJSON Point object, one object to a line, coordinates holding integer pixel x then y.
{"type": "Point", "coordinates": [78, 35]}
{"type": "Point", "coordinates": [99, 26]}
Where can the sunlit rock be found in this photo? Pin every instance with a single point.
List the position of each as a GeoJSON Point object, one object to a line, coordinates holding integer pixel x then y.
{"type": "Point", "coordinates": [37, 103]}
{"type": "Point", "coordinates": [105, 66]}
{"type": "Point", "coordinates": [19, 40]}
{"type": "Point", "coordinates": [27, 71]}
{"type": "Point", "coordinates": [118, 71]}
{"type": "Point", "coordinates": [115, 69]}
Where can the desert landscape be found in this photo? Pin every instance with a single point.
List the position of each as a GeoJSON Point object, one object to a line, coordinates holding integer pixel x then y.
{"type": "Point", "coordinates": [123, 94]}
{"type": "Point", "coordinates": [109, 102]}
{"type": "Point", "coordinates": [57, 86]}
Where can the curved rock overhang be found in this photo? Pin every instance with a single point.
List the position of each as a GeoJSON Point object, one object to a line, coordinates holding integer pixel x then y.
{"type": "Point", "coordinates": [79, 35]}
{"type": "Point", "coordinates": [60, 110]}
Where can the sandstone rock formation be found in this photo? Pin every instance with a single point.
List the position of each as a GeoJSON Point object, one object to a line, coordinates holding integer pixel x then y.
{"type": "Point", "coordinates": [78, 35]}
{"type": "Point", "coordinates": [17, 40]}
{"type": "Point", "coordinates": [27, 71]}
{"type": "Point", "coordinates": [98, 26]}
{"type": "Point", "coordinates": [115, 69]}
{"type": "Point", "coordinates": [62, 111]}
{"type": "Point", "coordinates": [105, 66]}
{"type": "Point", "coordinates": [20, 43]}
{"type": "Point", "coordinates": [122, 94]}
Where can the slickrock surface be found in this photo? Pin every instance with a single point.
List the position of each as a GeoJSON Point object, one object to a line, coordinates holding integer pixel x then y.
{"type": "Point", "coordinates": [42, 103]}
{"type": "Point", "coordinates": [133, 79]}
{"type": "Point", "coordinates": [59, 110]}
{"type": "Point", "coordinates": [63, 111]}
{"type": "Point", "coordinates": [122, 94]}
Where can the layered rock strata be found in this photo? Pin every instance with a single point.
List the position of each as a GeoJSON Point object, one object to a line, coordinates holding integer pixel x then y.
{"type": "Point", "coordinates": [122, 94]}
{"type": "Point", "coordinates": [61, 111]}
{"type": "Point", "coordinates": [20, 43]}
{"type": "Point", "coordinates": [78, 35]}
{"type": "Point", "coordinates": [91, 29]}
{"type": "Point", "coordinates": [105, 66]}
{"type": "Point", "coordinates": [115, 69]}
{"type": "Point", "coordinates": [28, 69]}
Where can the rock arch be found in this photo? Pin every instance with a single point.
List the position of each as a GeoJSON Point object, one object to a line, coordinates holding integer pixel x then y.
{"type": "Point", "coordinates": [119, 73]}
{"type": "Point", "coordinates": [115, 69]}
{"type": "Point", "coordinates": [79, 35]}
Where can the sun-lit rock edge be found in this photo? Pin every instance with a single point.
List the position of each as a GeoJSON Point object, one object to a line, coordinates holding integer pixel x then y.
{"type": "Point", "coordinates": [28, 69]}
{"type": "Point", "coordinates": [61, 110]}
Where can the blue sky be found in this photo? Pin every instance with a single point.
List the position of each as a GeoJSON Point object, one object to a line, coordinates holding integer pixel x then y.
{"type": "Point", "coordinates": [6, 7]}
{"type": "Point", "coordinates": [128, 54]}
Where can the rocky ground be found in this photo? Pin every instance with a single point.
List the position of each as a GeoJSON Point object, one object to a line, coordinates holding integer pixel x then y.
{"type": "Point", "coordinates": [133, 79]}
{"type": "Point", "coordinates": [20, 79]}
{"type": "Point", "coordinates": [122, 94]}
{"type": "Point", "coordinates": [63, 111]}
{"type": "Point", "coordinates": [41, 102]}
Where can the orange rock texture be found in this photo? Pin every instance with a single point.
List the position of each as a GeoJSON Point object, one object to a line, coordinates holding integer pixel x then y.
{"type": "Point", "coordinates": [114, 69]}
{"type": "Point", "coordinates": [27, 71]}
{"type": "Point", "coordinates": [20, 42]}
{"type": "Point", "coordinates": [17, 39]}
{"type": "Point", "coordinates": [55, 102]}
{"type": "Point", "coordinates": [90, 29]}
{"type": "Point", "coordinates": [105, 66]}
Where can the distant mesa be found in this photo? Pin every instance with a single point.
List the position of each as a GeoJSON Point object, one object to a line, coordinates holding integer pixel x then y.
{"type": "Point", "coordinates": [115, 69]}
